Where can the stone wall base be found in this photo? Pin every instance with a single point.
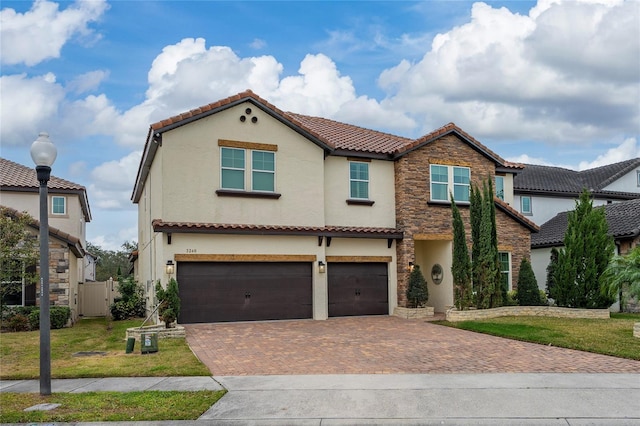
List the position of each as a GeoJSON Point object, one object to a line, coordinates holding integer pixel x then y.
{"type": "Point", "coordinates": [636, 329]}
{"type": "Point", "coordinates": [413, 313]}
{"type": "Point", "coordinates": [453, 315]}
{"type": "Point", "coordinates": [163, 333]}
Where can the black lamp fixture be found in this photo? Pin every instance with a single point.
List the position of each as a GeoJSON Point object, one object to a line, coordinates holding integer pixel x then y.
{"type": "Point", "coordinates": [169, 268]}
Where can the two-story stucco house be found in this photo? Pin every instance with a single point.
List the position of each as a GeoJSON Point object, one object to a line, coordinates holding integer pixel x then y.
{"type": "Point", "coordinates": [69, 213]}
{"type": "Point", "coordinates": [267, 214]}
{"type": "Point", "coordinates": [541, 192]}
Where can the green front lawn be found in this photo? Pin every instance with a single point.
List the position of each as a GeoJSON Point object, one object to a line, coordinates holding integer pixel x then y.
{"type": "Point", "coordinates": [20, 353]}
{"type": "Point", "coordinates": [613, 336]}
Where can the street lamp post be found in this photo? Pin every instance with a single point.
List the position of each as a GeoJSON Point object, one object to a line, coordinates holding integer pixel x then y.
{"type": "Point", "coordinates": [44, 153]}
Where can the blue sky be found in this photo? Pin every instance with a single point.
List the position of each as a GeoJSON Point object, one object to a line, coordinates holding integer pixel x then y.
{"type": "Point", "coordinates": [548, 82]}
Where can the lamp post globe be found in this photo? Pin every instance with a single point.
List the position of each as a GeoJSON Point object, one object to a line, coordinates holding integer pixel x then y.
{"type": "Point", "coordinates": [43, 153]}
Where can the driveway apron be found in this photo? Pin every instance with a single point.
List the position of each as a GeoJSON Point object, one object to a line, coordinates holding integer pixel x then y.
{"type": "Point", "coordinates": [379, 345]}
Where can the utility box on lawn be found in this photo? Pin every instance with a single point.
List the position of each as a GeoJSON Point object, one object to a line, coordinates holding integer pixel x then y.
{"type": "Point", "coordinates": [148, 343]}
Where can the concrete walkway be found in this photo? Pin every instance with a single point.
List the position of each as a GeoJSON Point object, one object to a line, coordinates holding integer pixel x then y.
{"type": "Point", "coordinates": [395, 399]}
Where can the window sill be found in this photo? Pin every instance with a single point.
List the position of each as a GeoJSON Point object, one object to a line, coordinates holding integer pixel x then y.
{"type": "Point", "coordinates": [447, 203]}
{"type": "Point", "coordinates": [247, 194]}
{"type": "Point", "coordinates": [353, 202]}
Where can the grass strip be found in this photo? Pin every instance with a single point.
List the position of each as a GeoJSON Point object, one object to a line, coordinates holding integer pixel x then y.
{"type": "Point", "coordinates": [613, 336]}
{"type": "Point", "coordinates": [19, 354]}
{"type": "Point", "coordinates": [108, 406]}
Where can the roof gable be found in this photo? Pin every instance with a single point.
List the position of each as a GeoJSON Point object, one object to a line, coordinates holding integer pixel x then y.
{"type": "Point", "coordinates": [16, 177]}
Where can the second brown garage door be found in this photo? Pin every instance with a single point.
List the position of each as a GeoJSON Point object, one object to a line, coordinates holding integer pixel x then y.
{"type": "Point", "coordinates": [247, 291]}
{"type": "Point", "coordinates": [358, 289]}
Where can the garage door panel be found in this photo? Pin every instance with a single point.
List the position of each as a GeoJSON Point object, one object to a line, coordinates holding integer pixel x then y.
{"type": "Point", "coordinates": [358, 289]}
{"type": "Point", "coordinates": [217, 291]}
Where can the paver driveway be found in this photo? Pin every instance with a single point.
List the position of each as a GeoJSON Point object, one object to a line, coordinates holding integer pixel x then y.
{"type": "Point", "coordinates": [378, 344]}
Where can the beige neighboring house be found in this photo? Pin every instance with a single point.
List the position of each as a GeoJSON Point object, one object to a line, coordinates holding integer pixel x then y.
{"type": "Point", "coordinates": [69, 212]}
{"type": "Point", "coordinates": [267, 214]}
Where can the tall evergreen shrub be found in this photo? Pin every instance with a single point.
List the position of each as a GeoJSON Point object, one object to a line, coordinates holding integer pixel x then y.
{"type": "Point", "coordinates": [461, 265]}
{"type": "Point", "coordinates": [528, 293]}
{"type": "Point", "coordinates": [417, 291]}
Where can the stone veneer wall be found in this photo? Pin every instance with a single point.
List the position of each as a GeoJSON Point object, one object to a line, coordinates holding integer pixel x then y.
{"type": "Point", "coordinates": [413, 313]}
{"type": "Point", "coordinates": [59, 277]}
{"type": "Point", "coordinates": [453, 315]}
{"type": "Point", "coordinates": [177, 332]}
{"type": "Point", "coordinates": [415, 215]}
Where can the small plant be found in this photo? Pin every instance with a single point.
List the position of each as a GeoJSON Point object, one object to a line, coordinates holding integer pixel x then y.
{"type": "Point", "coordinates": [528, 292]}
{"type": "Point", "coordinates": [169, 300]}
{"type": "Point", "coordinates": [58, 316]}
{"type": "Point", "coordinates": [131, 302]}
{"type": "Point", "coordinates": [417, 292]}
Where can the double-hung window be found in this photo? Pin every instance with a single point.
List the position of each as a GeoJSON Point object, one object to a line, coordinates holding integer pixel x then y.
{"type": "Point", "coordinates": [445, 179]}
{"type": "Point", "coordinates": [358, 180]}
{"type": "Point", "coordinates": [525, 205]}
{"type": "Point", "coordinates": [58, 205]}
{"type": "Point", "coordinates": [261, 176]}
{"type": "Point", "coordinates": [500, 187]}
{"type": "Point", "coordinates": [232, 161]}
{"type": "Point", "coordinates": [17, 290]}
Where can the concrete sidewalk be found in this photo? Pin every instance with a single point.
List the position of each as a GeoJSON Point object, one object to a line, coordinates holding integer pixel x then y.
{"type": "Point", "coordinates": [402, 399]}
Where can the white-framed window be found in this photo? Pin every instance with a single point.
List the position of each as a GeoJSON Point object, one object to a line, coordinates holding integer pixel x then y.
{"type": "Point", "coordinates": [504, 258]}
{"type": "Point", "coordinates": [262, 173]}
{"type": "Point", "coordinates": [500, 187]}
{"type": "Point", "coordinates": [638, 177]}
{"type": "Point", "coordinates": [358, 180]}
{"type": "Point", "coordinates": [58, 205]}
{"type": "Point", "coordinates": [450, 178]}
{"type": "Point", "coordinates": [525, 205]}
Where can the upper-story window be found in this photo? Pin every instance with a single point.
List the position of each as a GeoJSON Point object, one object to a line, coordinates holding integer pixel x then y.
{"type": "Point", "coordinates": [233, 168]}
{"type": "Point", "coordinates": [445, 179]}
{"type": "Point", "coordinates": [525, 204]}
{"type": "Point", "coordinates": [500, 187]}
{"type": "Point", "coordinates": [58, 205]}
{"type": "Point", "coordinates": [359, 180]}
{"type": "Point", "coordinates": [638, 175]}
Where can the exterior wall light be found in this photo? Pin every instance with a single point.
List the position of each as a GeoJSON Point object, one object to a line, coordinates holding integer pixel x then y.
{"type": "Point", "coordinates": [169, 268]}
{"type": "Point", "coordinates": [411, 266]}
{"type": "Point", "coordinates": [322, 268]}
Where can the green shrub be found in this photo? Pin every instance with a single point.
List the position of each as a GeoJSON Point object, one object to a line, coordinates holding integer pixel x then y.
{"type": "Point", "coordinates": [417, 292]}
{"type": "Point", "coordinates": [59, 317]}
{"type": "Point", "coordinates": [12, 318]}
{"type": "Point", "coordinates": [131, 304]}
{"type": "Point", "coordinates": [512, 298]}
{"type": "Point", "coordinates": [528, 292]}
{"type": "Point", "coordinates": [169, 300]}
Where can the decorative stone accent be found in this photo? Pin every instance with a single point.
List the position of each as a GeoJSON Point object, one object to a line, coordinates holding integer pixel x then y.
{"type": "Point", "coordinates": [636, 329]}
{"type": "Point", "coordinates": [413, 313]}
{"type": "Point", "coordinates": [177, 332]}
{"type": "Point", "coordinates": [453, 315]}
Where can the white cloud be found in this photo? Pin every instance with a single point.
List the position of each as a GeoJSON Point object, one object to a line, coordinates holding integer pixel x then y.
{"type": "Point", "coordinates": [40, 33]}
{"type": "Point", "coordinates": [628, 149]}
{"type": "Point", "coordinates": [258, 44]}
{"type": "Point", "coordinates": [112, 182]}
{"type": "Point", "coordinates": [87, 82]}
{"type": "Point", "coordinates": [549, 75]}
{"type": "Point", "coordinates": [28, 106]}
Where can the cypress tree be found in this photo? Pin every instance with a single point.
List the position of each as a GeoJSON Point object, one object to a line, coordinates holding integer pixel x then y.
{"type": "Point", "coordinates": [499, 293]}
{"type": "Point", "coordinates": [528, 293]}
{"type": "Point", "coordinates": [417, 291]}
{"type": "Point", "coordinates": [461, 264]}
{"type": "Point", "coordinates": [551, 270]}
{"type": "Point", "coordinates": [475, 217]}
{"type": "Point", "coordinates": [587, 251]}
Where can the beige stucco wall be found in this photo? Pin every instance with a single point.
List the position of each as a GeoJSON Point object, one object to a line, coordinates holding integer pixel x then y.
{"type": "Point", "coordinates": [190, 158]}
{"type": "Point", "coordinates": [508, 190]}
{"type": "Point", "coordinates": [381, 191]}
{"type": "Point", "coordinates": [427, 254]}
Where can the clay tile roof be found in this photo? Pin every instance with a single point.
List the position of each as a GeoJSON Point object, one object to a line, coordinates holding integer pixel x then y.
{"type": "Point", "coordinates": [349, 137]}
{"type": "Point", "coordinates": [506, 208]}
{"type": "Point", "coordinates": [18, 176]}
{"type": "Point", "coordinates": [560, 180]}
{"type": "Point", "coordinates": [623, 219]}
{"type": "Point", "coordinates": [452, 128]}
{"type": "Point", "coordinates": [73, 242]}
{"type": "Point", "coordinates": [232, 228]}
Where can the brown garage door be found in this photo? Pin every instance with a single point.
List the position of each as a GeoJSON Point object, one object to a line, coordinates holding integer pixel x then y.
{"type": "Point", "coordinates": [247, 291]}
{"type": "Point", "coordinates": [358, 289]}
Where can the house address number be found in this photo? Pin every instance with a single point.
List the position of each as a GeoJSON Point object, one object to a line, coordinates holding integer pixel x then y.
{"type": "Point", "coordinates": [192, 250]}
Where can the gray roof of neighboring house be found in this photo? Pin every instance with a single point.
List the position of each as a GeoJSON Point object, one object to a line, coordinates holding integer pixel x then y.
{"type": "Point", "coordinates": [623, 219]}
{"type": "Point", "coordinates": [16, 177]}
{"type": "Point", "coordinates": [556, 180]}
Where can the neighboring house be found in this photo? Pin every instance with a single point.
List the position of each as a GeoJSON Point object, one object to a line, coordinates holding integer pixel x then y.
{"type": "Point", "coordinates": [267, 214]}
{"type": "Point", "coordinates": [623, 219]}
{"type": "Point", "coordinates": [541, 192]}
{"type": "Point", "coordinates": [69, 213]}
